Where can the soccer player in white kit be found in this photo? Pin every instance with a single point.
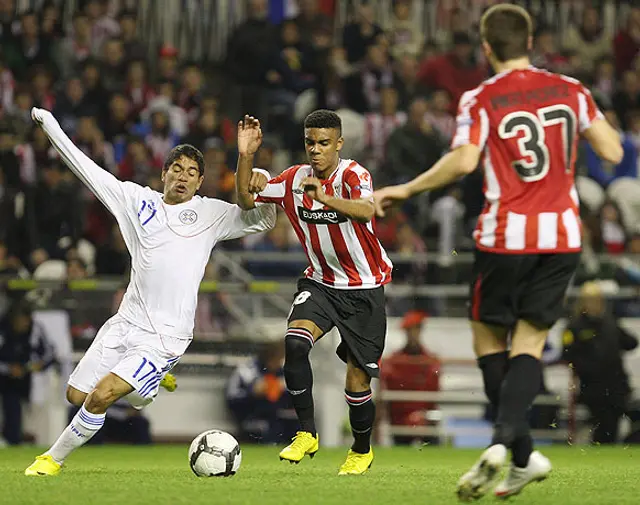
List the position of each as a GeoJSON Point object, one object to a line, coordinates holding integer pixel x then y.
{"type": "Point", "coordinates": [170, 237]}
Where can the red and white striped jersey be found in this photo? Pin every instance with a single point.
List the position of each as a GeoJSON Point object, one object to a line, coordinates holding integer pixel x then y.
{"type": "Point", "coordinates": [527, 122]}
{"type": "Point", "coordinates": [342, 253]}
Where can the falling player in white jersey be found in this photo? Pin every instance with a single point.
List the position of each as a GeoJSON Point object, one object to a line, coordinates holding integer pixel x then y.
{"type": "Point", "coordinates": [329, 204]}
{"type": "Point", "coordinates": [170, 237]}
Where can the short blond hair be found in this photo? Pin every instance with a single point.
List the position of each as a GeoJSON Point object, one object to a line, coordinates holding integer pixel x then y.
{"type": "Point", "coordinates": [507, 29]}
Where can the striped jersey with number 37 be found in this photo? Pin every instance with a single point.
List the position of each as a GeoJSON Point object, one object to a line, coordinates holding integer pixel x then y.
{"type": "Point", "coordinates": [342, 253]}
{"type": "Point", "coordinates": [527, 124]}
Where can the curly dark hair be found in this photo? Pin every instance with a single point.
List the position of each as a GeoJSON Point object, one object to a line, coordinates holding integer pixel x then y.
{"type": "Point", "coordinates": [188, 151]}
{"type": "Point", "coordinates": [323, 119]}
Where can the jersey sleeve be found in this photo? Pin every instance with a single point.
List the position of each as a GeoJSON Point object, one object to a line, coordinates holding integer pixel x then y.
{"type": "Point", "coordinates": [472, 122]}
{"type": "Point", "coordinates": [233, 222]}
{"type": "Point", "coordinates": [588, 111]}
{"type": "Point", "coordinates": [358, 183]}
{"type": "Point", "coordinates": [275, 190]}
{"type": "Point", "coordinates": [113, 193]}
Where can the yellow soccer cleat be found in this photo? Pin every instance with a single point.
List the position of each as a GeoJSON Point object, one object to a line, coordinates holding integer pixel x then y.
{"type": "Point", "coordinates": [44, 465]}
{"type": "Point", "coordinates": [356, 463]}
{"type": "Point", "coordinates": [169, 382]}
{"type": "Point", "coordinates": [303, 443]}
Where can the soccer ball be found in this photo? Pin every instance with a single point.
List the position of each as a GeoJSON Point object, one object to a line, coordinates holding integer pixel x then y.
{"type": "Point", "coordinates": [214, 453]}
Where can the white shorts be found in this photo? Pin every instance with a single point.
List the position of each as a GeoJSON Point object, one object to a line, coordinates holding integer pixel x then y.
{"type": "Point", "coordinates": [137, 356]}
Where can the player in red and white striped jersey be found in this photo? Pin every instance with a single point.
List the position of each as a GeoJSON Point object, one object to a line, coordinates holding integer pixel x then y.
{"type": "Point", "coordinates": [524, 124]}
{"type": "Point", "coordinates": [329, 202]}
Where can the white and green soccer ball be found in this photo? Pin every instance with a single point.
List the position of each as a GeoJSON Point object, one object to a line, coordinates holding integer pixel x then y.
{"type": "Point", "coordinates": [214, 453]}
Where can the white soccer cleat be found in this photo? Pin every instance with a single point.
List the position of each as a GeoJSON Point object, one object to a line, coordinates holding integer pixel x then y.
{"type": "Point", "coordinates": [537, 470]}
{"type": "Point", "coordinates": [474, 484]}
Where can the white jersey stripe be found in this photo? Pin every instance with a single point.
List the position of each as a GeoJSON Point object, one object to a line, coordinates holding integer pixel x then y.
{"type": "Point", "coordinates": [547, 230]}
{"type": "Point", "coordinates": [572, 226]}
{"type": "Point", "coordinates": [515, 234]}
{"type": "Point", "coordinates": [341, 278]}
{"type": "Point", "coordinates": [357, 253]}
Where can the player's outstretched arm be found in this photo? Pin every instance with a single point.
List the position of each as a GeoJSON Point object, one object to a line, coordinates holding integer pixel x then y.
{"type": "Point", "coordinates": [605, 140]}
{"type": "Point", "coordinates": [461, 161]}
{"type": "Point", "coordinates": [102, 183]}
{"type": "Point", "coordinates": [249, 140]}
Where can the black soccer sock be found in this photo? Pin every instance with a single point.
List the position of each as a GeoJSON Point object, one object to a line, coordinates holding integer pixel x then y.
{"type": "Point", "coordinates": [362, 413]}
{"type": "Point", "coordinates": [494, 369]}
{"type": "Point", "coordinates": [298, 376]}
{"type": "Point", "coordinates": [519, 389]}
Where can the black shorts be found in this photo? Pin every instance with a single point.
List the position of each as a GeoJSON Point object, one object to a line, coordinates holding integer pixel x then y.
{"type": "Point", "coordinates": [359, 315]}
{"type": "Point", "coordinates": [509, 287]}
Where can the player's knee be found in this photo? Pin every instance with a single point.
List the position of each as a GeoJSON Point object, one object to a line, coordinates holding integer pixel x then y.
{"type": "Point", "coordinates": [296, 348]}
{"type": "Point", "coordinates": [75, 397]}
{"type": "Point", "coordinates": [105, 394]}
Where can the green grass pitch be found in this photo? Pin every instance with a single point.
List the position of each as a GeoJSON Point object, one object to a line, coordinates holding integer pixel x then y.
{"type": "Point", "coordinates": [399, 476]}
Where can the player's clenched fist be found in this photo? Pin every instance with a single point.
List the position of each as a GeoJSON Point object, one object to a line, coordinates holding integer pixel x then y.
{"type": "Point", "coordinates": [257, 183]}
{"type": "Point", "coordinates": [313, 188]}
{"type": "Point", "coordinates": [249, 136]}
{"type": "Point", "coordinates": [38, 115]}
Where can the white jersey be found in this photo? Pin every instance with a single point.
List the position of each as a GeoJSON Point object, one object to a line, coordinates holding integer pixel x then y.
{"type": "Point", "coordinates": [170, 245]}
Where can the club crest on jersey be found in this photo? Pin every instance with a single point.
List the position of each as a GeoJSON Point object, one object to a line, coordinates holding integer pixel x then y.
{"type": "Point", "coordinates": [320, 216]}
{"type": "Point", "coordinates": [188, 216]}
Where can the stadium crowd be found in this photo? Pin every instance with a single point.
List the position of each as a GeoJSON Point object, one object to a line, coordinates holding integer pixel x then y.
{"type": "Point", "coordinates": [395, 88]}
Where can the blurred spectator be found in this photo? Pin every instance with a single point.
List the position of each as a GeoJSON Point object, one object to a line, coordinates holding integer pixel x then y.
{"type": "Point", "coordinates": [458, 20]}
{"type": "Point", "coordinates": [546, 54]}
{"type": "Point", "coordinates": [94, 91]}
{"type": "Point", "coordinates": [363, 88]}
{"type": "Point", "coordinates": [33, 49]}
{"type": "Point", "coordinates": [161, 139]}
{"type": "Point", "coordinates": [51, 22]}
{"type": "Point", "coordinates": [167, 64]}
{"type": "Point", "coordinates": [103, 26]}
{"type": "Point", "coordinates": [379, 127]}
{"type": "Point", "coordinates": [134, 49]}
{"type": "Point", "coordinates": [137, 88]}
{"type": "Point", "coordinates": [455, 71]}
{"type": "Point", "coordinates": [259, 401]}
{"type": "Point", "coordinates": [219, 181]}
{"type": "Point", "coordinates": [114, 65]}
{"type": "Point", "coordinates": [605, 78]}
{"type": "Point", "coordinates": [412, 368]}
{"type": "Point", "coordinates": [24, 349]}
{"type": "Point", "coordinates": [76, 269]}
{"type": "Point", "coordinates": [76, 47]}
{"type": "Point", "coordinates": [612, 230]}
{"type": "Point", "coordinates": [627, 98]}
{"type": "Point", "coordinates": [7, 85]}
{"type": "Point", "coordinates": [191, 93]}
{"type": "Point", "coordinates": [593, 345]}
{"type": "Point", "coordinates": [42, 82]}
{"type": "Point", "coordinates": [439, 114]}
{"type": "Point", "coordinates": [310, 18]}
{"type": "Point", "coordinates": [408, 245]}
{"type": "Point", "coordinates": [590, 40]}
{"type": "Point", "coordinates": [404, 35]}
{"type": "Point", "coordinates": [165, 100]}
{"type": "Point", "coordinates": [412, 148]}
{"type": "Point", "coordinates": [62, 217]}
{"type": "Point", "coordinates": [407, 82]}
{"type": "Point", "coordinates": [627, 42]}
{"type": "Point", "coordinates": [113, 257]}
{"type": "Point", "coordinates": [70, 105]}
{"type": "Point", "coordinates": [136, 164]}
{"type": "Point", "coordinates": [359, 35]}
{"type": "Point", "coordinates": [248, 55]}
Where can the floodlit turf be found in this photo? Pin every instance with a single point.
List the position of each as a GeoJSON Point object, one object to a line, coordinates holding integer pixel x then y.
{"type": "Point", "coordinates": [399, 476]}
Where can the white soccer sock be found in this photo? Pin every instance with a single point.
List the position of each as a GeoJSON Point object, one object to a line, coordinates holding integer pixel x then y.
{"type": "Point", "coordinates": [82, 427]}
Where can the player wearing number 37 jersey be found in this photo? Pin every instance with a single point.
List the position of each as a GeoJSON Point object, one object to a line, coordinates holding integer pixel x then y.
{"type": "Point", "coordinates": [523, 124]}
